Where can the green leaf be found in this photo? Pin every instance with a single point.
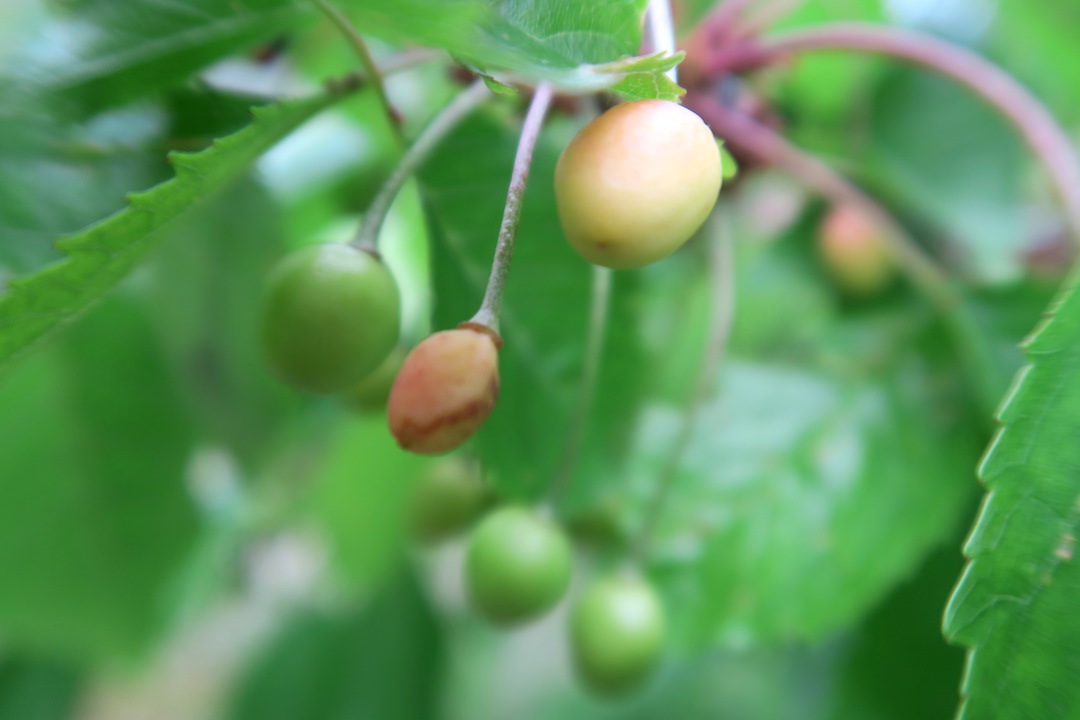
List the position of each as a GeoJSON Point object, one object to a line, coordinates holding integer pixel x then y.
{"type": "Point", "coordinates": [1015, 604]}
{"type": "Point", "coordinates": [795, 484]}
{"type": "Point", "coordinates": [93, 507]}
{"type": "Point", "coordinates": [816, 464]}
{"type": "Point", "coordinates": [99, 257]}
{"type": "Point", "coordinates": [381, 661]}
{"type": "Point", "coordinates": [645, 79]}
{"type": "Point", "coordinates": [58, 178]}
{"type": "Point", "coordinates": [114, 52]}
{"type": "Point", "coordinates": [360, 500]}
{"type": "Point", "coordinates": [33, 689]}
{"type": "Point", "coordinates": [578, 47]}
{"type": "Point", "coordinates": [897, 665]}
{"type": "Point", "coordinates": [205, 290]}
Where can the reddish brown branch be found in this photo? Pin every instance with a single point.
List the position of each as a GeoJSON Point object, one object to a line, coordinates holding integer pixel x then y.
{"type": "Point", "coordinates": [768, 147]}
{"type": "Point", "coordinates": [1031, 119]}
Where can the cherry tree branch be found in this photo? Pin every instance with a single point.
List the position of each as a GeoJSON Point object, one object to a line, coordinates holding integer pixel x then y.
{"type": "Point", "coordinates": [371, 69]}
{"type": "Point", "coordinates": [491, 307]}
{"type": "Point", "coordinates": [770, 148]}
{"type": "Point", "coordinates": [1024, 111]}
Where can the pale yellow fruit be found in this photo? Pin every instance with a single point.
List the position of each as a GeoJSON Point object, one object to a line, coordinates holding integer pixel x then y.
{"type": "Point", "coordinates": [637, 182]}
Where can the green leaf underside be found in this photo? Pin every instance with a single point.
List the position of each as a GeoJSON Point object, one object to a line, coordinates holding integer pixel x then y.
{"type": "Point", "coordinates": [114, 52]}
{"type": "Point", "coordinates": [798, 484]}
{"type": "Point", "coordinates": [578, 47]}
{"type": "Point", "coordinates": [95, 518]}
{"type": "Point", "coordinates": [99, 257]}
{"type": "Point", "coordinates": [382, 661]}
{"type": "Point", "coordinates": [1016, 603]}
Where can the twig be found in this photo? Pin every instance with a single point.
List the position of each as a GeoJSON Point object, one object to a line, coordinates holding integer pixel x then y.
{"type": "Point", "coordinates": [488, 314]}
{"type": "Point", "coordinates": [772, 149]}
{"type": "Point", "coordinates": [661, 32]}
{"type": "Point", "coordinates": [371, 69]}
{"type": "Point", "coordinates": [590, 371]}
{"type": "Point", "coordinates": [459, 108]}
{"type": "Point", "coordinates": [1030, 117]}
{"type": "Point", "coordinates": [722, 287]}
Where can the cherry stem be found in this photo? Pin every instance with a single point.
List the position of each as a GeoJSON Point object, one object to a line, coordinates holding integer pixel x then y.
{"type": "Point", "coordinates": [1025, 112]}
{"type": "Point", "coordinates": [371, 69]}
{"type": "Point", "coordinates": [721, 273]}
{"type": "Point", "coordinates": [491, 307]}
{"type": "Point", "coordinates": [661, 32]}
{"type": "Point", "coordinates": [599, 303]}
{"type": "Point", "coordinates": [367, 237]}
{"type": "Point", "coordinates": [768, 147]}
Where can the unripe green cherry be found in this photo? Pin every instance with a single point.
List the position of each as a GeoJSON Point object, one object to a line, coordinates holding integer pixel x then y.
{"type": "Point", "coordinates": [371, 393]}
{"type": "Point", "coordinates": [449, 497]}
{"type": "Point", "coordinates": [329, 318]}
{"type": "Point", "coordinates": [617, 633]}
{"type": "Point", "coordinates": [517, 567]}
{"type": "Point", "coordinates": [854, 252]}
{"type": "Point", "coordinates": [637, 182]}
{"type": "Point", "coordinates": [445, 390]}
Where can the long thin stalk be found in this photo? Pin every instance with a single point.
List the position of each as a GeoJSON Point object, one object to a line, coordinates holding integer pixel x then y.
{"type": "Point", "coordinates": [721, 272]}
{"type": "Point", "coordinates": [1025, 112]}
{"type": "Point", "coordinates": [459, 108]}
{"type": "Point", "coordinates": [367, 62]}
{"type": "Point", "coordinates": [661, 32]}
{"type": "Point", "coordinates": [599, 303]}
{"type": "Point", "coordinates": [491, 307]}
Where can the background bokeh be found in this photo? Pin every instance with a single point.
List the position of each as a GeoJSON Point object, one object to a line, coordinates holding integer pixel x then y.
{"type": "Point", "coordinates": [183, 538]}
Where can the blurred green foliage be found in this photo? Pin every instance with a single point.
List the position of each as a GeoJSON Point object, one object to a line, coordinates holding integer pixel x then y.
{"type": "Point", "coordinates": [172, 517]}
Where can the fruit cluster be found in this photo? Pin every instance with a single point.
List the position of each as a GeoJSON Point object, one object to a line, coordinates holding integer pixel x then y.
{"type": "Point", "coordinates": [631, 188]}
{"type": "Point", "coordinates": [518, 567]}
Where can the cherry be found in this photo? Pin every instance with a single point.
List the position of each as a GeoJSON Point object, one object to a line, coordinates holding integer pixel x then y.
{"type": "Point", "coordinates": [449, 497]}
{"type": "Point", "coordinates": [854, 252]}
{"type": "Point", "coordinates": [329, 317]}
{"type": "Point", "coordinates": [617, 631]}
{"type": "Point", "coordinates": [637, 182]}
{"type": "Point", "coordinates": [445, 390]}
{"type": "Point", "coordinates": [517, 566]}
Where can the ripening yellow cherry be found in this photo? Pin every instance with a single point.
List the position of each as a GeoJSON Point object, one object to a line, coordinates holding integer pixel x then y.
{"type": "Point", "coordinates": [637, 182]}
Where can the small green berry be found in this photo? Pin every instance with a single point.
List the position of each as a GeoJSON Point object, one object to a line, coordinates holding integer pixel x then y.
{"type": "Point", "coordinates": [449, 497]}
{"type": "Point", "coordinates": [518, 566]}
{"type": "Point", "coordinates": [329, 318]}
{"type": "Point", "coordinates": [617, 632]}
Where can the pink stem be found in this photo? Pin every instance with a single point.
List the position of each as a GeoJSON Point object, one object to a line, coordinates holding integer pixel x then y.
{"type": "Point", "coordinates": [1032, 120]}
{"type": "Point", "coordinates": [766, 146]}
